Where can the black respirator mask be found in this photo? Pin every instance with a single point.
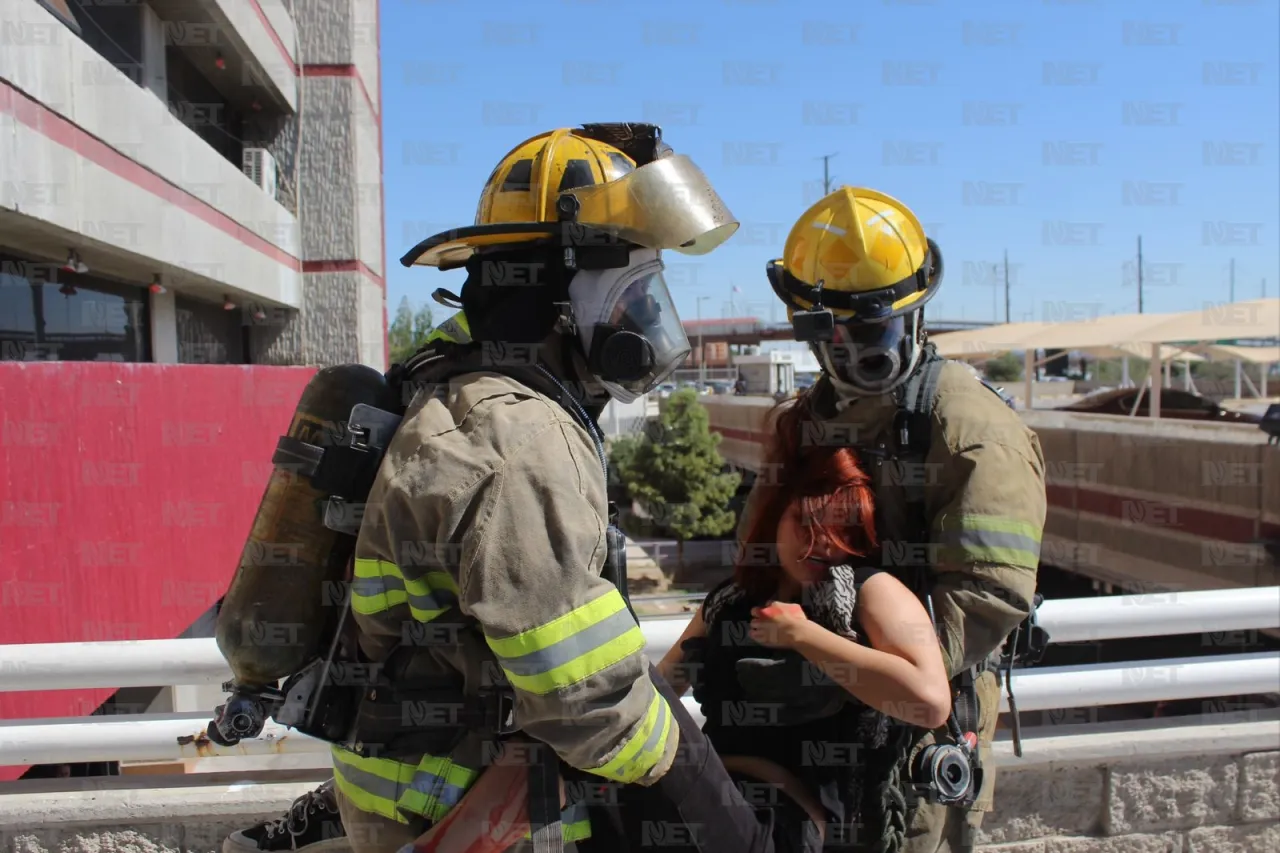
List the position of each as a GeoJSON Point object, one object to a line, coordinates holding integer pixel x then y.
{"type": "Point", "coordinates": [870, 358]}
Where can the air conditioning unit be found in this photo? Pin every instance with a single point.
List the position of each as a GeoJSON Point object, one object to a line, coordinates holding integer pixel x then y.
{"type": "Point", "coordinates": [260, 167]}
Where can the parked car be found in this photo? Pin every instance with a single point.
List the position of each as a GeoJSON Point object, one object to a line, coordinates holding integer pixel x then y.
{"type": "Point", "coordinates": [1183, 405]}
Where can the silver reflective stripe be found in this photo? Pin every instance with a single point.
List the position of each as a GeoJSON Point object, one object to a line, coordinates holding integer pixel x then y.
{"type": "Point", "coordinates": [437, 599]}
{"type": "Point", "coordinates": [571, 648]}
{"type": "Point", "coordinates": [971, 538]}
{"type": "Point", "coordinates": [444, 793]}
{"type": "Point", "coordinates": [424, 782]}
{"type": "Point", "coordinates": [659, 726]}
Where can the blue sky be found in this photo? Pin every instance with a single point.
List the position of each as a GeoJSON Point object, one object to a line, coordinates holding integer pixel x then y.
{"type": "Point", "coordinates": [1059, 130]}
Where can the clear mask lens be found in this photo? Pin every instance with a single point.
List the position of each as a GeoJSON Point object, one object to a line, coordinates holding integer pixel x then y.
{"type": "Point", "coordinates": [645, 308]}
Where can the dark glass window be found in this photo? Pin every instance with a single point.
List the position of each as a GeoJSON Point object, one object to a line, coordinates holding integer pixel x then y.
{"type": "Point", "coordinates": [196, 103]}
{"type": "Point", "coordinates": [50, 314]}
{"type": "Point", "coordinates": [208, 333]}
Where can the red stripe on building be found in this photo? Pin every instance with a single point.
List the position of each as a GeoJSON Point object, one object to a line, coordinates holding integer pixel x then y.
{"type": "Point", "coordinates": [382, 193]}
{"type": "Point", "coordinates": [58, 129]}
{"type": "Point", "coordinates": [346, 71]}
{"type": "Point", "coordinates": [275, 37]}
{"type": "Point", "coordinates": [342, 266]}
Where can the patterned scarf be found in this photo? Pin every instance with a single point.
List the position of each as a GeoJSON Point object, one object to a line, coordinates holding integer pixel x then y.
{"type": "Point", "coordinates": [830, 602]}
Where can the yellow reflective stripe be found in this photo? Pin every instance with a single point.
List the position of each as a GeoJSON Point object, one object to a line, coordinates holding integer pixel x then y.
{"type": "Point", "coordinates": [431, 789]}
{"type": "Point", "coordinates": [389, 788]}
{"type": "Point", "coordinates": [989, 539]}
{"type": "Point", "coordinates": [455, 330]}
{"type": "Point", "coordinates": [576, 825]}
{"type": "Point", "coordinates": [379, 585]}
{"type": "Point", "coordinates": [644, 749]}
{"type": "Point", "coordinates": [570, 648]}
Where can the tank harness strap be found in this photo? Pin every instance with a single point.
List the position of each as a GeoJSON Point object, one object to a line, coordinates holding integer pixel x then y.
{"type": "Point", "coordinates": [912, 439]}
{"type": "Point", "coordinates": [440, 710]}
{"type": "Point", "coordinates": [1025, 647]}
{"type": "Point", "coordinates": [546, 830]}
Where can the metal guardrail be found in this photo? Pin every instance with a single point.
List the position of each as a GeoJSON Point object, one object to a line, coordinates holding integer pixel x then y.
{"type": "Point", "coordinates": [158, 663]}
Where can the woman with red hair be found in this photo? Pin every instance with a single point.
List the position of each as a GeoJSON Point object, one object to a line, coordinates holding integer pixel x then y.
{"type": "Point", "coordinates": [811, 663]}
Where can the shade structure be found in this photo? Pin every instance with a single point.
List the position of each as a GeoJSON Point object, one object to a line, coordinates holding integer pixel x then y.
{"type": "Point", "coordinates": [1108, 330]}
{"type": "Point", "coordinates": [1128, 350]}
{"type": "Point", "coordinates": [1250, 355]}
{"type": "Point", "coordinates": [1258, 318]}
{"type": "Point", "coordinates": [974, 343]}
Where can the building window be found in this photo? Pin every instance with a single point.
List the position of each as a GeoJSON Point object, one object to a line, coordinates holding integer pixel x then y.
{"type": "Point", "coordinates": [50, 314]}
{"type": "Point", "coordinates": [208, 333]}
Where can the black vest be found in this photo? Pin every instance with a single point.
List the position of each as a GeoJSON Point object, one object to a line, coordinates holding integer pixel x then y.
{"type": "Point", "coordinates": [782, 711]}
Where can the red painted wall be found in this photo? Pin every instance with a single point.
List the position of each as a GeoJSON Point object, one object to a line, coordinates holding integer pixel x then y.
{"type": "Point", "coordinates": [126, 494]}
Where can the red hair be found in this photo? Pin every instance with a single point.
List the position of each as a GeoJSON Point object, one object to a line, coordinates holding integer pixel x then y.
{"type": "Point", "coordinates": [818, 479]}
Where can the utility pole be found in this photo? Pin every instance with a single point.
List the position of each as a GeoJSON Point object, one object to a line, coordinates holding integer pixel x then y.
{"type": "Point", "coordinates": [1006, 285]}
{"type": "Point", "coordinates": [702, 353]}
{"type": "Point", "coordinates": [1139, 274]}
{"type": "Point", "coordinates": [826, 174]}
{"type": "Point", "coordinates": [1264, 288]}
{"type": "Point", "coordinates": [1232, 279]}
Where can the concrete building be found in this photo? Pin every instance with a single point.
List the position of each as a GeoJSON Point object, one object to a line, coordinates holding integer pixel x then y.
{"type": "Point", "coordinates": [191, 181]}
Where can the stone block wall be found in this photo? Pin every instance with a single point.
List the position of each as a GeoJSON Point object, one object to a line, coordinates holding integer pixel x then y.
{"type": "Point", "coordinates": [338, 192]}
{"type": "Point", "coordinates": [1208, 804]}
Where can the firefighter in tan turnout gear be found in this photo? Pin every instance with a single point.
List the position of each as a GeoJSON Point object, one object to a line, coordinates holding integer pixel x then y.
{"type": "Point", "coordinates": [488, 586]}
{"type": "Point", "coordinates": [959, 479]}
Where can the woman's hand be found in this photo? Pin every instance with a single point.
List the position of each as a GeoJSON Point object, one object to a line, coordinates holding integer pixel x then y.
{"type": "Point", "coordinates": [779, 624]}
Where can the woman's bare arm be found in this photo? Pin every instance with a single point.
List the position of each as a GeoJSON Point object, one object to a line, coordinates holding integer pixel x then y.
{"type": "Point", "coordinates": [902, 674]}
{"type": "Point", "coordinates": [672, 667]}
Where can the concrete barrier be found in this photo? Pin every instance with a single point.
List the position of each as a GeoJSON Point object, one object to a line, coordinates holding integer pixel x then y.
{"type": "Point", "coordinates": [1208, 787]}
{"type": "Point", "coordinates": [1143, 505]}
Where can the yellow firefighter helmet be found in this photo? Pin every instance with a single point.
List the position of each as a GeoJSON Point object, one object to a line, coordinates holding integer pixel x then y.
{"type": "Point", "coordinates": [861, 254]}
{"type": "Point", "coordinates": [574, 184]}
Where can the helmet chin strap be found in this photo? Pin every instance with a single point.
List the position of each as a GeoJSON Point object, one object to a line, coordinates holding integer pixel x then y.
{"type": "Point", "coordinates": [847, 394]}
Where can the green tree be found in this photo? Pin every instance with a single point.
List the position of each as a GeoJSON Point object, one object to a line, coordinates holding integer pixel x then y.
{"type": "Point", "coordinates": [676, 473]}
{"type": "Point", "coordinates": [409, 330]}
{"type": "Point", "coordinates": [422, 325]}
{"type": "Point", "coordinates": [1005, 367]}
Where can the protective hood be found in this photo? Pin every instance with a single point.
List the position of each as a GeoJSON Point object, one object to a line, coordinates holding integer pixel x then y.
{"type": "Point", "coordinates": [630, 332]}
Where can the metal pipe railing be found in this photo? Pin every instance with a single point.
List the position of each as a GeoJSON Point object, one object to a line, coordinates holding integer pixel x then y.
{"type": "Point", "coordinates": [162, 663]}
{"type": "Point", "coordinates": [172, 737]}
{"type": "Point", "coordinates": [158, 663]}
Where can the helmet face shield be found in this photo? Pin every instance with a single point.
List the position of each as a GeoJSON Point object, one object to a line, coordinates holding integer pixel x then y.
{"type": "Point", "coordinates": [667, 204]}
{"type": "Point", "coordinates": [870, 358]}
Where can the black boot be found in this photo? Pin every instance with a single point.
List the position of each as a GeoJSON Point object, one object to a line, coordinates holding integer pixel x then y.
{"type": "Point", "coordinates": [311, 824]}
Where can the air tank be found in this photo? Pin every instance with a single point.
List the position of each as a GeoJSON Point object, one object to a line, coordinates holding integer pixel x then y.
{"type": "Point", "coordinates": [283, 604]}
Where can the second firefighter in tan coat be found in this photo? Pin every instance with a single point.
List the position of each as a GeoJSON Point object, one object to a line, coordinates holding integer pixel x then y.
{"type": "Point", "coordinates": [971, 516]}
